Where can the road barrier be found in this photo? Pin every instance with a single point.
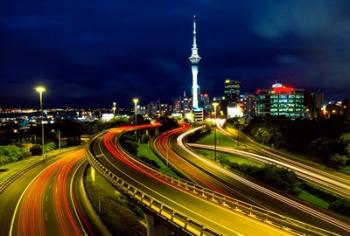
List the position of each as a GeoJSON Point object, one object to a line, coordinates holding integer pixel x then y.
{"type": "Point", "coordinates": [279, 221]}
{"type": "Point", "coordinates": [168, 214]}
{"type": "Point", "coordinates": [12, 178]}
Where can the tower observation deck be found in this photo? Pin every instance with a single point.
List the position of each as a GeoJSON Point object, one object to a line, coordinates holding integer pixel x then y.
{"type": "Point", "coordinates": [194, 59]}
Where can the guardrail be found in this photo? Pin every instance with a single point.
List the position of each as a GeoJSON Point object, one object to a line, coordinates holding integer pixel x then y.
{"type": "Point", "coordinates": [283, 221]}
{"type": "Point", "coordinates": [4, 184]}
{"type": "Point", "coordinates": [167, 213]}
{"type": "Point", "coordinates": [263, 215]}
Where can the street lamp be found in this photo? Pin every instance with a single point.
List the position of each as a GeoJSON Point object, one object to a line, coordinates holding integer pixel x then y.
{"type": "Point", "coordinates": [41, 90]}
{"type": "Point", "coordinates": [238, 124]}
{"type": "Point", "coordinates": [58, 135]}
{"type": "Point", "coordinates": [135, 100]}
{"type": "Point", "coordinates": [114, 108]}
{"type": "Point", "coordinates": [215, 105]}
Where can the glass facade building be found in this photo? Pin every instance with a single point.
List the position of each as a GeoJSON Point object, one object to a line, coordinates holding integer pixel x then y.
{"type": "Point", "coordinates": [231, 91]}
{"type": "Point", "coordinates": [280, 100]}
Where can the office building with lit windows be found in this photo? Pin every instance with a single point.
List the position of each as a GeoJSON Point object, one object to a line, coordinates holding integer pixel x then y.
{"type": "Point", "coordinates": [231, 91]}
{"type": "Point", "coordinates": [280, 100]}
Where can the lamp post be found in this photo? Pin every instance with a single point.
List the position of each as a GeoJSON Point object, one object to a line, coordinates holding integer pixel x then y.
{"type": "Point", "coordinates": [238, 124]}
{"type": "Point", "coordinates": [114, 108]}
{"type": "Point", "coordinates": [59, 140]}
{"type": "Point", "coordinates": [167, 155]}
{"type": "Point", "coordinates": [41, 90]}
{"type": "Point", "coordinates": [215, 105]}
{"type": "Point", "coordinates": [135, 100]}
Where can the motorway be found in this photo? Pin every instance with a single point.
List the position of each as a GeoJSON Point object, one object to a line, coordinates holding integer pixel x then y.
{"type": "Point", "coordinates": [107, 152]}
{"type": "Point", "coordinates": [161, 147]}
{"type": "Point", "coordinates": [335, 182]}
{"type": "Point", "coordinates": [48, 205]}
{"type": "Point", "coordinates": [258, 194]}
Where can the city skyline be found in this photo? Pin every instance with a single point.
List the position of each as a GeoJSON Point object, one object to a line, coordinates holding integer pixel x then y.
{"type": "Point", "coordinates": [114, 56]}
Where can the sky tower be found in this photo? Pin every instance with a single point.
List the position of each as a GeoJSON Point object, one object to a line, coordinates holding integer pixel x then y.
{"type": "Point", "coordinates": [194, 59]}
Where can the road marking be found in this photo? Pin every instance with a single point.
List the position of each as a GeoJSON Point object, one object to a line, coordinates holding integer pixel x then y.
{"type": "Point", "coordinates": [270, 193]}
{"type": "Point", "coordinates": [71, 196]}
{"type": "Point", "coordinates": [20, 199]}
{"type": "Point", "coordinates": [175, 203]}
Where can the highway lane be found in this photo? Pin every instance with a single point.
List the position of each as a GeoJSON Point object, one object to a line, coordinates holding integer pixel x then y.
{"type": "Point", "coordinates": [11, 195]}
{"type": "Point", "coordinates": [208, 213]}
{"type": "Point", "coordinates": [47, 206]}
{"type": "Point", "coordinates": [161, 146]}
{"type": "Point", "coordinates": [335, 182]}
{"type": "Point", "coordinates": [268, 198]}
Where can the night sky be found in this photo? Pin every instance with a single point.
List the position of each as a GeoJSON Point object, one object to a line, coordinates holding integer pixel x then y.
{"type": "Point", "coordinates": [92, 52]}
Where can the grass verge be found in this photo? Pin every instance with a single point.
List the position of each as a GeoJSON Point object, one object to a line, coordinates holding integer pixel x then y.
{"type": "Point", "coordinates": [220, 139]}
{"type": "Point", "coordinates": [313, 199]}
{"type": "Point", "coordinates": [121, 216]}
{"type": "Point", "coordinates": [346, 170]}
{"type": "Point", "coordinates": [307, 193]}
{"type": "Point", "coordinates": [14, 167]}
{"type": "Point", "coordinates": [145, 151]}
{"type": "Point", "coordinates": [229, 157]}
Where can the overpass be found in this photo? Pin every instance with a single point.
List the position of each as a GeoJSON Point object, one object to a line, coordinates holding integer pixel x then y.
{"type": "Point", "coordinates": [184, 207]}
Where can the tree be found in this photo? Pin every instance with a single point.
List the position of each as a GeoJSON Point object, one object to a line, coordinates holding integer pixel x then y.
{"type": "Point", "coordinates": [341, 206]}
{"type": "Point", "coordinates": [263, 135]}
{"type": "Point", "coordinates": [322, 147]}
{"type": "Point", "coordinates": [130, 146]}
{"type": "Point", "coordinates": [36, 150]}
{"type": "Point", "coordinates": [140, 119]}
{"type": "Point", "coordinates": [149, 161]}
{"type": "Point", "coordinates": [144, 138]}
{"type": "Point", "coordinates": [73, 141]}
{"type": "Point", "coordinates": [278, 177]}
{"type": "Point", "coordinates": [50, 146]}
{"type": "Point", "coordinates": [338, 160]}
{"type": "Point", "coordinates": [167, 123]}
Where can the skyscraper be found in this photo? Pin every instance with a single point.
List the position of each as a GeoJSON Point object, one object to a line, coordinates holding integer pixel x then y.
{"type": "Point", "coordinates": [232, 90]}
{"type": "Point", "coordinates": [280, 100]}
{"type": "Point", "coordinates": [194, 59]}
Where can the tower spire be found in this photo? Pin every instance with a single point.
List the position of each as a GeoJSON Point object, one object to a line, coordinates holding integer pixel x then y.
{"type": "Point", "coordinates": [194, 59]}
{"type": "Point", "coordinates": [194, 45]}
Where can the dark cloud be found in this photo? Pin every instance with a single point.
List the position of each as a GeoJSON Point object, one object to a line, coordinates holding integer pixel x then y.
{"type": "Point", "coordinates": [90, 53]}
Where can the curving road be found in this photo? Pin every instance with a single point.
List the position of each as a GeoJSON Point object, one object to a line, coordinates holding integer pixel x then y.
{"type": "Point", "coordinates": [107, 151]}
{"type": "Point", "coordinates": [264, 196]}
{"type": "Point", "coordinates": [48, 205]}
{"type": "Point", "coordinates": [336, 182]}
{"type": "Point", "coordinates": [162, 148]}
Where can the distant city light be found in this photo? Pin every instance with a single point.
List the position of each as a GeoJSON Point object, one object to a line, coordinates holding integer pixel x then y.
{"type": "Point", "coordinates": [107, 117]}
{"type": "Point", "coordinates": [236, 111]}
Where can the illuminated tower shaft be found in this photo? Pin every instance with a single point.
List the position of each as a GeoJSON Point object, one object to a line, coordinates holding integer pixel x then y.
{"type": "Point", "coordinates": [194, 59]}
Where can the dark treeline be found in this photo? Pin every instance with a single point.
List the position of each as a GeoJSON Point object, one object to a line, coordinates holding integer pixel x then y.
{"type": "Point", "coordinates": [199, 134]}
{"type": "Point", "coordinates": [15, 146]}
{"type": "Point", "coordinates": [326, 139]}
{"type": "Point", "coordinates": [68, 129]}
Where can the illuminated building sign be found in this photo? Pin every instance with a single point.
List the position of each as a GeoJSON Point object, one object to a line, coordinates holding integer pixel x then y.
{"type": "Point", "coordinates": [283, 89]}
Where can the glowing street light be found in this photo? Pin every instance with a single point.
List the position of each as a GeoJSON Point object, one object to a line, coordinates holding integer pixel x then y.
{"type": "Point", "coordinates": [114, 108]}
{"type": "Point", "coordinates": [215, 105]}
{"type": "Point", "coordinates": [41, 90]}
{"type": "Point", "coordinates": [135, 100]}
